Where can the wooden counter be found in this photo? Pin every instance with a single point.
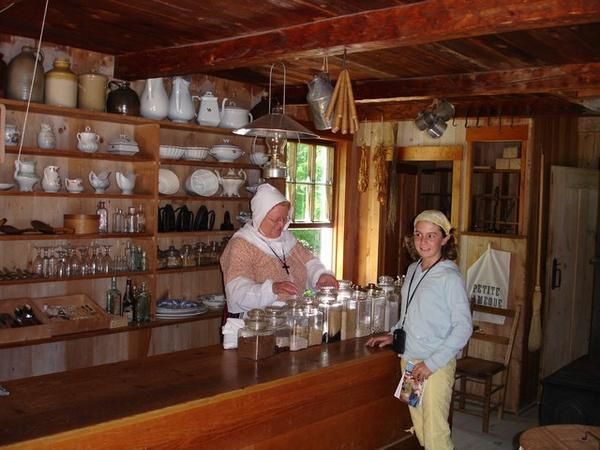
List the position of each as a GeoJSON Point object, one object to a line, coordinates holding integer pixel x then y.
{"type": "Point", "coordinates": [324, 397]}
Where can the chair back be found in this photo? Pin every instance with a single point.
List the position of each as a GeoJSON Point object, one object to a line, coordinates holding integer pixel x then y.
{"type": "Point", "coordinates": [488, 333]}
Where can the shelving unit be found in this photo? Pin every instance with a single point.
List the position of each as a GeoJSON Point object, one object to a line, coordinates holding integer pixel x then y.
{"type": "Point", "coordinates": [19, 208]}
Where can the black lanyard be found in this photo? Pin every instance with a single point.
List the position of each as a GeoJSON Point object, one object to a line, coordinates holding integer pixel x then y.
{"type": "Point", "coordinates": [410, 297]}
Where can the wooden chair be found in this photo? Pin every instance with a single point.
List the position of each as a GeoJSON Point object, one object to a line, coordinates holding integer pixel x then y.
{"type": "Point", "coordinates": [482, 371]}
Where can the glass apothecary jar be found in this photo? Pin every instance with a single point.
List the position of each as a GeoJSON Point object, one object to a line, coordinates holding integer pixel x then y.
{"type": "Point", "coordinates": [377, 297]}
{"type": "Point", "coordinates": [314, 319]}
{"type": "Point", "coordinates": [363, 312]}
{"type": "Point", "coordinates": [188, 256]}
{"type": "Point", "coordinates": [332, 314]}
{"type": "Point", "coordinates": [173, 258]}
{"type": "Point", "coordinates": [256, 340]}
{"type": "Point", "coordinates": [344, 296]}
{"type": "Point", "coordinates": [392, 301]}
{"type": "Point", "coordinates": [277, 319]}
{"type": "Point", "coordinates": [298, 322]}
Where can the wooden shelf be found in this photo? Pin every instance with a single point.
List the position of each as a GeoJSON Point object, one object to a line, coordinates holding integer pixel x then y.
{"type": "Point", "coordinates": [76, 154]}
{"type": "Point", "coordinates": [86, 277]}
{"type": "Point", "coordinates": [497, 171]}
{"type": "Point", "coordinates": [188, 234]}
{"type": "Point", "coordinates": [188, 269]}
{"type": "Point", "coordinates": [209, 163]}
{"type": "Point", "coordinates": [65, 194]}
{"type": "Point", "coordinates": [196, 198]}
{"type": "Point", "coordinates": [72, 237]}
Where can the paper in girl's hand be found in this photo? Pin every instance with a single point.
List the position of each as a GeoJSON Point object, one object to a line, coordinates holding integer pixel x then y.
{"type": "Point", "coordinates": [409, 390]}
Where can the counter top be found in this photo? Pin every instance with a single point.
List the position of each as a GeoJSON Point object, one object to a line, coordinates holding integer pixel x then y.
{"type": "Point", "coordinates": [56, 403]}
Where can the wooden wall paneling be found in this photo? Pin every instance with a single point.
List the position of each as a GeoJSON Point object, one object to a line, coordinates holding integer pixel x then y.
{"type": "Point", "coordinates": [471, 248]}
{"type": "Point", "coordinates": [2, 127]}
{"type": "Point", "coordinates": [588, 149]}
{"type": "Point", "coordinates": [343, 223]}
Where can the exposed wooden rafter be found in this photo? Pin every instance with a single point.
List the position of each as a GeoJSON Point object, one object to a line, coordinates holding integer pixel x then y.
{"type": "Point", "coordinates": [370, 30]}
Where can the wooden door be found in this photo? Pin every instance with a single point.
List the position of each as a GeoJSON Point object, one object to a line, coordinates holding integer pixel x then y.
{"type": "Point", "coordinates": [572, 227]}
{"type": "Point", "coordinates": [397, 218]}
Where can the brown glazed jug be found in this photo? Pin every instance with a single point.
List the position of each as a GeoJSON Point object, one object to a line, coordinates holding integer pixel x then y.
{"type": "Point", "coordinates": [20, 74]}
{"type": "Point", "coordinates": [122, 99]}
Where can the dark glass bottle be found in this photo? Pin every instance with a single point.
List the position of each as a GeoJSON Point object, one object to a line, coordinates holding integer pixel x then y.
{"type": "Point", "coordinates": [142, 310]}
{"type": "Point", "coordinates": [129, 302]}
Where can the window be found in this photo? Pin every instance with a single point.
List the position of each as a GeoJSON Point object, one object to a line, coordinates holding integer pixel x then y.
{"type": "Point", "coordinates": [309, 186]}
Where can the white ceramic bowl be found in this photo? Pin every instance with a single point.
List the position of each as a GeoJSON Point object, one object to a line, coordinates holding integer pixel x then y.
{"type": "Point", "coordinates": [259, 158]}
{"type": "Point", "coordinates": [195, 153]}
{"type": "Point", "coordinates": [168, 182]}
{"type": "Point", "coordinates": [226, 152]}
{"type": "Point", "coordinates": [170, 152]}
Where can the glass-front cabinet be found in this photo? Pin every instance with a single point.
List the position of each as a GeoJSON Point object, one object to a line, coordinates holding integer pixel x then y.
{"type": "Point", "coordinates": [497, 162]}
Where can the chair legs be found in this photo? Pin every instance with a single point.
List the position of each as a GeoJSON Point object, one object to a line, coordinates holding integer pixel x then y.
{"type": "Point", "coordinates": [486, 404]}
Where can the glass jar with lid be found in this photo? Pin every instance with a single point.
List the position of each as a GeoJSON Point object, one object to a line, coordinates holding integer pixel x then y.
{"type": "Point", "coordinates": [256, 339]}
{"type": "Point", "coordinates": [392, 301]}
{"type": "Point", "coordinates": [298, 322]}
{"type": "Point", "coordinates": [173, 258]}
{"type": "Point", "coordinates": [188, 256]}
{"type": "Point", "coordinates": [332, 314]}
{"type": "Point", "coordinates": [277, 318]}
{"type": "Point", "coordinates": [363, 312]}
{"type": "Point", "coordinates": [377, 297]}
{"type": "Point", "coordinates": [314, 319]}
{"type": "Point", "coordinates": [344, 296]}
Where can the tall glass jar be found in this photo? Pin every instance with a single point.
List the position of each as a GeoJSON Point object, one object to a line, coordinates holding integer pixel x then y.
{"type": "Point", "coordinates": [314, 320]}
{"type": "Point", "coordinates": [392, 301]}
{"type": "Point", "coordinates": [344, 296]}
{"type": "Point", "coordinates": [188, 256]}
{"type": "Point", "coordinates": [61, 85]}
{"type": "Point", "coordinates": [332, 314]}
{"type": "Point", "coordinates": [20, 74]}
{"type": "Point", "coordinates": [277, 318]}
{"type": "Point", "coordinates": [256, 340]}
{"type": "Point", "coordinates": [363, 312]}
{"type": "Point", "coordinates": [377, 308]}
{"type": "Point", "coordinates": [298, 322]}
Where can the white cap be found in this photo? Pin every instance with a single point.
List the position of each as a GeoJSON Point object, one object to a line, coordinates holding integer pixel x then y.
{"type": "Point", "coordinates": [436, 217]}
{"type": "Point", "coordinates": [265, 199]}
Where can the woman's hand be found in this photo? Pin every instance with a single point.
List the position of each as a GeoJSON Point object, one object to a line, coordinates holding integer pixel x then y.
{"type": "Point", "coordinates": [327, 279]}
{"type": "Point", "coordinates": [380, 341]}
{"type": "Point", "coordinates": [421, 372]}
{"type": "Point", "coordinates": [284, 287]}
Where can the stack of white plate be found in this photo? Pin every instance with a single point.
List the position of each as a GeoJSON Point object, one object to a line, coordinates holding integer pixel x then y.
{"type": "Point", "coordinates": [170, 309]}
{"type": "Point", "coordinates": [213, 301]}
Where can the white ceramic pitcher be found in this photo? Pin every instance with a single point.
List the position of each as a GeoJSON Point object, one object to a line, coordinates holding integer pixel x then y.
{"type": "Point", "coordinates": [181, 108]}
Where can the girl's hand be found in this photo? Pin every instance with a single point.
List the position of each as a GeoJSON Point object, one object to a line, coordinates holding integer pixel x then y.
{"type": "Point", "coordinates": [285, 287]}
{"type": "Point", "coordinates": [380, 341]}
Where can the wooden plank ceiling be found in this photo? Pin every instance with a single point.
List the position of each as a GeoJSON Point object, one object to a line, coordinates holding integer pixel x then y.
{"type": "Point", "coordinates": [487, 56]}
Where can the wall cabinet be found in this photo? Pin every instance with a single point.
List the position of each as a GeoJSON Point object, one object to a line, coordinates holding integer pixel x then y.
{"type": "Point", "coordinates": [20, 208]}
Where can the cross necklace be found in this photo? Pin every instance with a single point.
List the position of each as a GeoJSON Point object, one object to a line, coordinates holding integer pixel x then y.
{"type": "Point", "coordinates": [283, 262]}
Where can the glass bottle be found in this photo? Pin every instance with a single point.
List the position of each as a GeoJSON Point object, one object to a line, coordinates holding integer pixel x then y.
{"type": "Point", "coordinates": [188, 257]}
{"type": "Point", "coordinates": [344, 296]}
{"type": "Point", "coordinates": [128, 302]}
{"type": "Point", "coordinates": [140, 219]}
{"type": "Point", "coordinates": [102, 218]}
{"type": "Point", "coordinates": [173, 258]}
{"type": "Point", "coordinates": [144, 261]}
{"type": "Point", "coordinates": [117, 223]}
{"type": "Point", "coordinates": [256, 339]}
{"type": "Point", "coordinates": [332, 314]}
{"type": "Point", "coordinates": [392, 301]}
{"type": "Point", "coordinates": [113, 298]}
{"type": "Point", "coordinates": [276, 317]}
{"type": "Point", "coordinates": [314, 318]}
{"type": "Point", "coordinates": [377, 297]}
{"type": "Point", "coordinates": [363, 312]}
{"type": "Point", "coordinates": [142, 309]}
{"type": "Point", "coordinates": [298, 320]}
{"type": "Point", "coordinates": [130, 220]}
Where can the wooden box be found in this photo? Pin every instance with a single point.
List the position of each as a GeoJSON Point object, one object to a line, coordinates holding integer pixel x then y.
{"type": "Point", "coordinates": [514, 164]}
{"type": "Point", "coordinates": [502, 163]}
{"type": "Point", "coordinates": [72, 313]}
{"type": "Point", "coordinates": [26, 333]}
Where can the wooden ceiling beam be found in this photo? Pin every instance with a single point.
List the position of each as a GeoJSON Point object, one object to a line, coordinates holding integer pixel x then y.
{"type": "Point", "coordinates": [535, 80]}
{"type": "Point", "coordinates": [412, 24]}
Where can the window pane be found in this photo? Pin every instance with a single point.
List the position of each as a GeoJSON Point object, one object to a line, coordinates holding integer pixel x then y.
{"type": "Point", "coordinates": [302, 163]}
{"type": "Point", "coordinates": [324, 165]}
{"type": "Point", "coordinates": [302, 201]}
{"type": "Point", "coordinates": [319, 241]}
{"type": "Point", "coordinates": [322, 203]}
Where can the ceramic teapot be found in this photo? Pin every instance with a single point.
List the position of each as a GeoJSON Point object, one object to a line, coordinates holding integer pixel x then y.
{"type": "Point", "coordinates": [100, 181]}
{"type": "Point", "coordinates": [25, 175]}
{"type": "Point", "coordinates": [208, 113]}
{"type": "Point", "coordinates": [46, 138]}
{"type": "Point", "coordinates": [74, 185]}
{"type": "Point", "coordinates": [231, 182]}
{"type": "Point", "coordinates": [126, 182]}
{"type": "Point", "coordinates": [233, 116]}
{"type": "Point", "coordinates": [51, 179]}
{"type": "Point", "coordinates": [181, 108]}
{"type": "Point", "coordinates": [87, 140]}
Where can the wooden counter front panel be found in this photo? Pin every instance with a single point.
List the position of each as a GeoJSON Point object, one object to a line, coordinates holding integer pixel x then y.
{"type": "Point", "coordinates": [348, 405]}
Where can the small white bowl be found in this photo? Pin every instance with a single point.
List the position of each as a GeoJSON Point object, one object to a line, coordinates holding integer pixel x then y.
{"type": "Point", "coordinates": [195, 153]}
{"type": "Point", "coordinates": [170, 152]}
{"type": "Point", "coordinates": [259, 158]}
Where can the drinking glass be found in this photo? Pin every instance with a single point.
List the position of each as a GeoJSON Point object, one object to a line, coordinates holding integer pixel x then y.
{"type": "Point", "coordinates": [37, 265]}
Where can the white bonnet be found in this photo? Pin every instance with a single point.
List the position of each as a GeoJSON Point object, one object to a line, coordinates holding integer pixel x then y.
{"type": "Point", "coordinates": [266, 197]}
